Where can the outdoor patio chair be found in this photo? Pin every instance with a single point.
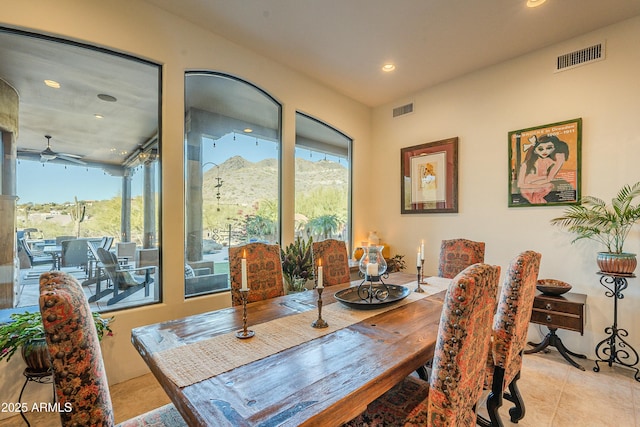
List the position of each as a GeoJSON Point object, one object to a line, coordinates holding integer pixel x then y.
{"type": "Point", "coordinates": [34, 259]}
{"type": "Point", "coordinates": [60, 239]}
{"type": "Point", "coordinates": [106, 242]}
{"type": "Point", "coordinates": [464, 337]}
{"type": "Point", "coordinates": [74, 253]}
{"type": "Point", "coordinates": [335, 261]}
{"type": "Point", "coordinates": [125, 251]}
{"type": "Point", "coordinates": [79, 374]}
{"type": "Point", "coordinates": [95, 269]}
{"type": "Point", "coordinates": [264, 272]}
{"type": "Point", "coordinates": [123, 281]}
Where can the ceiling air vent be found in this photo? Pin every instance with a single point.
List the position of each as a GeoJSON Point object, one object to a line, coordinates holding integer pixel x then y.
{"type": "Point", "coordinates": [580, 57]}
{"type": "Point", "coordinates": [402, 110]}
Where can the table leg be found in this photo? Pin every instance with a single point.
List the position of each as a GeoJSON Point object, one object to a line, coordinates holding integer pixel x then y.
{"type": "Point", "coordinates": [554, 340]}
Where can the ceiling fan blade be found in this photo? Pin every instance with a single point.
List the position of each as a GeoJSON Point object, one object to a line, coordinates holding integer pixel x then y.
{"type": "Point", "coordinates": [71, 159]}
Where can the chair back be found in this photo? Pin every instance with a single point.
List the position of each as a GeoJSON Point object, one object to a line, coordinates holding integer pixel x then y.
{"type": "Point", "coordinates": [61, 239]}
{"type": "Point", "coordinates": [126, 250]}
{"type": "Point", "coordinates": [335, 261]}
{"type": "Point", "coordinates": [106, 242]}
{"type": "Point", "coordinates": [463, 341]}
{"type": "Point", "coordinates": [22, 243]}
{"type": "Point", "coordinates": [458, 254]}
{"type": "Point", "coordinates": [264, 272]}
{"type": "Point", "coordinates": [110, 264]}
{"type": "Point", "coordinates": [511, 322]}
{"type": "Point", "coordinates": [80, 378]}
{"type": "Point", "coordinates": [74, 253]}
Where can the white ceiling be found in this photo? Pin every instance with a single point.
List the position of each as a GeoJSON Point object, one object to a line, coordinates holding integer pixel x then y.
{"type": "Point", "coordinates": [344, 43]}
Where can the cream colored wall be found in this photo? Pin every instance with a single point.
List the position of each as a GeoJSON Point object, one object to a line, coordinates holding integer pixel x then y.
{"type": "Point", "coordinates": [480, 109]}
{"type": "Point", "coordinates": [139, 29]}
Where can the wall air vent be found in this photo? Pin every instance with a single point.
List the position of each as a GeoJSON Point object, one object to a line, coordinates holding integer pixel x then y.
{"type": "Point", "coordinates": [402, 110]}
{"type": "Point", "coordinates": [580, 57]}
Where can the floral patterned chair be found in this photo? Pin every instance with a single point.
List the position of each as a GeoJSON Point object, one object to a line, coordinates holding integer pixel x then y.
{"type": "Point", "coordinates": [264, 272]}
{"type": "Point", "coordinates": [458, 254]}
{"type": "Point", "coordinates": [458, 364]}
{"type": "Point", "coordinates": [510, 328]}
{"type": "Point", "coordinates": [78, 369]}
{"type": "Point", "coordinates": [335, 261]}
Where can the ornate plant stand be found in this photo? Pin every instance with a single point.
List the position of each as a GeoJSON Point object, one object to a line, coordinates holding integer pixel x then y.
{"type": "Point", "coordinates": [614, 349]}
{"type": "Point", "coordinates": [36, 376]}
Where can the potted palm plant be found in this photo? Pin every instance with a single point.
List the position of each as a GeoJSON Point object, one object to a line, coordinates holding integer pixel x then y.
{"type": "Point", "coordinates": [25, 332]}
{"type": "Point", "coordinates": [607, 224]}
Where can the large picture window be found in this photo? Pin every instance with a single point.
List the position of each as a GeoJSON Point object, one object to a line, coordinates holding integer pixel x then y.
{"type": "Point", "coordinates": [84, 167]}
{"type": "Point", "coordinates": [232, 155]}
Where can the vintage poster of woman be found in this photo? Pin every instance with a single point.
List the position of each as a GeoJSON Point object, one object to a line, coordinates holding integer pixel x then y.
{"type": "Point", "coordinates": [544, 164]}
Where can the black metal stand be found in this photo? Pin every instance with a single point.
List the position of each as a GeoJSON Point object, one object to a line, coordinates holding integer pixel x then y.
{"type": "Point", "coordinates": [39, 377]}
{"type": "Point", "coordinates": [367, 292]}
{"type": "Point", "coordinates": [614, 349]}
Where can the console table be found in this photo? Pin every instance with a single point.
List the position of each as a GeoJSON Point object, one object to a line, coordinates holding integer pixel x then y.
{"type": "Point", "coordinates": [614, 349]}
{"type": "Point", "coordinates": [564, 312]}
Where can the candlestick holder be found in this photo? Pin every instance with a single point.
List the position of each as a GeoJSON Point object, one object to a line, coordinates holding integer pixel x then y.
{"type": "Point", "coordinates": [422, 270]}
{"type": "Point", "coordinates": [418, 288]}
{"type": "Point", "coordinates": [319, 322]}
{"type": "Point", "coordinates": [244, 333]}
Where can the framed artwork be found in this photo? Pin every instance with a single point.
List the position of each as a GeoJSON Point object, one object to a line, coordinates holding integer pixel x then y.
{"type": "Point", "coordinates": [429, 177]}
{"type": "Point", "coordinates": [545, 164]}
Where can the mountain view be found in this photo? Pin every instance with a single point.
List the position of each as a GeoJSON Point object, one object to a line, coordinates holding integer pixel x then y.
{"type": "Point", "coordinates": [262, 177]}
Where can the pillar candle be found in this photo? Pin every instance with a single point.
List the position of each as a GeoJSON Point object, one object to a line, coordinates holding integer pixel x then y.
{"type": "Point", "coordinates": [372, 269]}
{"type": "Point", "coordinates": [244, 272]}
{"type": "Point", "coordinates": [320, 286]}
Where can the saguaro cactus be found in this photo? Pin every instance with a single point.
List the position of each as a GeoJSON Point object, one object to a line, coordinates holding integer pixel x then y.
{"type": "Point", "coordinates": [77, 215]}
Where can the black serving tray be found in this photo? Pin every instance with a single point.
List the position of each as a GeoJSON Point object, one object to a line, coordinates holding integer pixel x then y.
{"type": "Point", "coordinates": [350, 297]}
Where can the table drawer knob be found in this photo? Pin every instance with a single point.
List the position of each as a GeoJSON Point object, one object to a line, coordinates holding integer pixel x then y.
{"type": "Point", "coordinates": [548, 318]}
{"type": "Point", "coordinates": [548, 306]}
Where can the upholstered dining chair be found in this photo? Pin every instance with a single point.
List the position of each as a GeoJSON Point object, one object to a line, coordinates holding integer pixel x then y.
{"type": "Point", "coordinates": [335, 261]}
{"type": "Point", "coordinates": [510, 327]}
{"type": "Point", "coordinates": [458, 254]}
{"type": "Point", "coordinates": [264, 272]}
{"type": "Point", "coordinates": [458, 364]}
{"type": "Point", "coordinates": [78, 369]}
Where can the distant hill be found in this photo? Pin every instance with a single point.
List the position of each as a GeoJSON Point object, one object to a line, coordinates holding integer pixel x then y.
{"type": "Point", "coordinates": [244, 182]}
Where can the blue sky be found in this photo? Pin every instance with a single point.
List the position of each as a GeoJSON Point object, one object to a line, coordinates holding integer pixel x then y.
{"type": "Point", "coordinates": [50, 182]}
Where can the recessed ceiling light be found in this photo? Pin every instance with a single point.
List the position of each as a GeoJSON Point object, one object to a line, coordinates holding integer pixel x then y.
{"type": "Point", "coordinates": [98, 116]}
{"type": "Point", "coordinates": [535, 3]}
{"type": "Point", "coordinates": [52, 83]}
{"type": "Point", "coordinates": [248, 130]}
{"type": "Point", "coordinates": [107, 98]}
{"type": "Point", "coordinates": [388, 67]}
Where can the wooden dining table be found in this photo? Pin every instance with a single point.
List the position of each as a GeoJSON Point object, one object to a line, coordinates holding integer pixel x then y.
{"type": "Point", "coordinates": [323, 381]}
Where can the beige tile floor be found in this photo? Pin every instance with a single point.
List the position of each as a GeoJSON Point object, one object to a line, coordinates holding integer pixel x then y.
{"type": "Point", "coordinates": [555, 394]}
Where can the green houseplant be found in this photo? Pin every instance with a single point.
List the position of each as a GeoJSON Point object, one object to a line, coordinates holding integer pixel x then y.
{"type": "Point", "coordinates": [297, 264]}
{"type": "Point", "coordinates": [608, 225]}
{"type": "Point", "coordinates": [25, 332]}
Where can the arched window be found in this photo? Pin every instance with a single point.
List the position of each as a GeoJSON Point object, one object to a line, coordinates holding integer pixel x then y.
{"type": "Point", "coordinates": [232, 143]}
{"type": "Point", "coordinates": [323, 181]}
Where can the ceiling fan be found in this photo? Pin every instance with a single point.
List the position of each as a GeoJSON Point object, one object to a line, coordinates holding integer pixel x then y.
{"type": "Point", "coordinates": [48, 154]}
